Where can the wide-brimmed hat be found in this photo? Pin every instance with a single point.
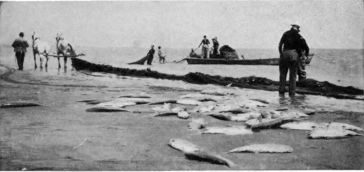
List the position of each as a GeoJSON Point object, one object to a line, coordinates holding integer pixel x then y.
{"type": "Point", "coordinates": [215, 38]}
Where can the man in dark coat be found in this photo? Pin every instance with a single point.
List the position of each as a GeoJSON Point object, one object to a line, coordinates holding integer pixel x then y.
{"type": "Point", "coordinates": [150, 55]}
{"type": "Point", "coordinates": [20, 46]}
{"type": "Point", "coordinates": [215, 46]}
{"type": "Point", "coordinates": [289, 50]}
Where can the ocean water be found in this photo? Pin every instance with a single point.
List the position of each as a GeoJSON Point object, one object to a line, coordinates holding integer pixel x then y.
{"type": "Point", "coordinates": [342, 67]}
{"type": "Point", "coordinates": [339, 66]}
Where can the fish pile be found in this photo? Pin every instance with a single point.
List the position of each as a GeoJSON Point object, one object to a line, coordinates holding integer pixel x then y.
{"type": "Point", "coordinates": [246, 115]}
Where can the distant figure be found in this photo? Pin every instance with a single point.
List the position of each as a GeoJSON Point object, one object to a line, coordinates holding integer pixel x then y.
{"type": "Point", "coordinates": [150, 55]}
{"type": "Point", "coordinates": [162, 58]}
{"type": "Point", "coordinates": [20, 46]}
{"type": "Point", "coordinates": [303, 54]}
{"type": "Point", "coordinates": [289, 49]}
{"type": "Point", "coordinates": [205, 47]}
{"type": "Point", "coordinates": [215, 46]}
{"type": "Point", "coordinates": [193, 54]}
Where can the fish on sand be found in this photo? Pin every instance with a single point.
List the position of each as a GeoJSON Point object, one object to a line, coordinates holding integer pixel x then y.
{"type": "Point", "coordinates": [263, 148]}
{"type": "Point", "coordinates": [165, 108]}
{"type": "Point", "coordinates": [194, 152]}
{"type": "Point", "coordinates": [122, 102]}
{"type": "Point", "coordinates": [92, 101]}
{"type": "Point", "coordinates": [188, 102]}
{"type": "Point", "coordinates": [328, 131]}
{"type": "Point", "coordinates": [300, 125]}
{"type": "Point", "coordinates": [265, 123]}
{"type": "Point", "coordinates": [346, 126]}
{"type": "Point", "coordinates": [227, 130]}
{"type": "Point", "coordinates": [106, 109]}
{"type": "Point", "coordinates": [18, 104]}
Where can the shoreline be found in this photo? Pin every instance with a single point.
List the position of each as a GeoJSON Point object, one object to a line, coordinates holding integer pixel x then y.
{"type": "Point", "coordinates": [309, 86]}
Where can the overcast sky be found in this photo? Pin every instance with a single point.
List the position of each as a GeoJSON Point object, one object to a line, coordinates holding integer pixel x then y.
{"type": "Point", "coordinates": [241, 24]}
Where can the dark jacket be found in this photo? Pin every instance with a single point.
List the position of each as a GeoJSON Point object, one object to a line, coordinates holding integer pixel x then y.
{"type": "Point", "coordinates": [20, 45]}
{"type": "Point", "coordinates": [292, 40]}
{"type": "Point", "coordinates": [151, 52]}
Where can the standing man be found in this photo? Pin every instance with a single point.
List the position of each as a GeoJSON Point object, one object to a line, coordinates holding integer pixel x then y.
{"type": "Point", "coordinates": [215, 45]}
{"type": "Point", "coordinates": [205, 47]}
{"type": "Point", "coordinates": [150, 55]}
{"type": "Point", "coordinates": [289, 50]}
{"type": "Point", "coordinates": [162, 58]}
{"type": "Point", "coordinates": [20, 46]}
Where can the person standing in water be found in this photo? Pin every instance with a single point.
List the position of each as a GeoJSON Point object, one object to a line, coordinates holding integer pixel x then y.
{"type": "Point", "coordinates": [162, 58]}
{"type": "Point", "coordinates": [289, 49]}
{"type": "Point", "coordinates": [20, 46]}
{"type": "Point", "coordinates": [150, 55]}
{"type": "Point", "coordinates": [215, 45]}
{"type": "Point", "coordinates": [205, 47]}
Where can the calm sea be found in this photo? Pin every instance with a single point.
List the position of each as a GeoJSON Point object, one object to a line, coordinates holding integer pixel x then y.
{"type": "Point", "coordinates": [340, 66]}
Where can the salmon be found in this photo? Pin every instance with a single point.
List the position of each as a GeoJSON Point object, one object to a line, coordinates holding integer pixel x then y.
{"type": "Point", "coordinates": [265, 123]}
{"type": "Point", "coordinates": [242, 117]}
{"type": "Point", "coordinates": [188, 102]}
{"type": "Point", "coordinates": [300, 125]}
{"type": "Point", "coordinates": [327, 131]}
{"type": "Point", "coordinates": [106, 109]}
{"type": "Point", "coordinates": [263, 148]}
{"type": "Point", "coordinates": [165, 108]}
{"type": "Point", "coordinates": [18, 104]}
{"type": "Point", "coordinates": [228, 130]}
{"type": "Point", "coordinates": [194, 152]}
{"type": "Point", "coordinates": [346, 126]}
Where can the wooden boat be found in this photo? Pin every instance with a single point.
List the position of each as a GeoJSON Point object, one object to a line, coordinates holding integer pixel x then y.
{"type": "Point", "coordinates": [272, 61]}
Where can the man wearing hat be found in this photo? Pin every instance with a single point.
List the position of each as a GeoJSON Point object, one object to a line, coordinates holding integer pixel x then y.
{"type": "Point", "coordinates": [215, 46]}
{"type": "Point", "coordinates": [20, 46]}
{"type": "Point", "coordinates": [205, 47]}
{"type": "Point", "coordinates": [290, 50]}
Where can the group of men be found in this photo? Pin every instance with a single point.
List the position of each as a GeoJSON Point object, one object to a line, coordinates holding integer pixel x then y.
{"type": "Point", "coordinates": [150, 55]}
{"type": "Point", "coordinates": [293, 51]}
{"type": "Point", "coordinates": [205, 43]}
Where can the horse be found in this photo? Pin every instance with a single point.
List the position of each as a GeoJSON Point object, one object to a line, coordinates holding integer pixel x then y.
{"type": "Point", "coordinates": [65, 49]}
{"type": "Point", "coordinates": [40, 48]}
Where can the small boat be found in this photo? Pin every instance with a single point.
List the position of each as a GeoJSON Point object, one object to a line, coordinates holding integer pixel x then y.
{"type": "Point", "coordinates": [224, 61]}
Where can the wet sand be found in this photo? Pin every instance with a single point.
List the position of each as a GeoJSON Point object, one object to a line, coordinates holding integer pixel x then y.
{"type": "Point", "coordinates": [61, 135]}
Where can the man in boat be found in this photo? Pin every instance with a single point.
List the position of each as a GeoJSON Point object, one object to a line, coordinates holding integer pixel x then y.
{"type": "Point", "coordinates": [162, 58]}
{"type": "Point", "coordinates": [205, 47]}
{"type": "Point", "coordinates": [193, 54]}
{"type": "Point", "coordinates": [289, 50]}
{"type": "Point", "coordinates": [215, 46]}
{"type": "Point", "coordinates": [20, 46]}
{"type": "Point", "coordinates": [150, 55]}
{"type": "Point", "coordinates": [303, 54]}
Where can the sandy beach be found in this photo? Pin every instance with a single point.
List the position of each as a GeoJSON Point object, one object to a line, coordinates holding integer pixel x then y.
{"type": "Point", "coordinates": [61, 135]}
{"type": "Point", "coordinates": [182, 85]}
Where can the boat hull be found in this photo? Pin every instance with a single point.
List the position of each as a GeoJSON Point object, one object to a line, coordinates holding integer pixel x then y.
{"type": "Point", "coordinates": [196, 61]}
